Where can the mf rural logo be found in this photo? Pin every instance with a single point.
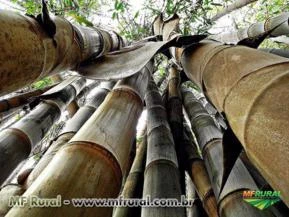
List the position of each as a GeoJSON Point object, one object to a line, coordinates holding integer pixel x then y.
{"type": "Point", "coordinates": [261, 199]}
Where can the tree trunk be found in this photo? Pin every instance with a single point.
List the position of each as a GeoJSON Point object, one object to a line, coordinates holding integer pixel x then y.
{"type": "Point", "coordinates": [32, 54]}
{"type": "Point", "coordinates": [209, 137]}
{"type": "Point", "coordinates": [257, 29]}
{"type": "Point", "coordinates": [199, 175]}
{"type": "Point", "coordinates": [17, 141]}
{"type": "Point", "coordinates": [246, 85]}
{"type": "Point", "coordinates": [232, 7]}
{"type": "Point", "coordinates": [162, 178]}
{"type": "Point", "coordinates": [92, 163]}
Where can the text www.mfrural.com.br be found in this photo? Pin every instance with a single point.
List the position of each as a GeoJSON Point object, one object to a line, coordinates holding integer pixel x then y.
{"type": "Point", "coordinates": [34, 201]}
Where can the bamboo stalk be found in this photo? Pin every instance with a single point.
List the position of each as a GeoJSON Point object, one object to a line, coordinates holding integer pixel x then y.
{"type": "Point", "coordinates": [175, 118]}
{"type": "Point", "coordinates": [199, 175]}
{"type": "Point", "coordinates": [39, 54]}
{"type": "Point", "coordinates": [18, 140]}
{"type": "Point", "coordinates": [5, 194]}
{"type": "Point", "coordinates": [92, 163]}
{"type": "Point", "coordinates": [133, 185]}
{"type": "Point", "coordinates": [72, 108]}
{"type": "Point", "coordinates": [197, 209]}
{"type": "Point", "coordinates": [209, 137]}
{"type": "Point", "coordinates": [94, 100]}
{"type": "Point", "coordinates": [257, 29]}
{"type": "Point", "coordinates": [245, 84]}
{"type": "Point", "coordinates": [161, 173]}
{"type": "Point", "coordinates": [279, 52]}
{"type": "Point", "coordinates": [21, 99]}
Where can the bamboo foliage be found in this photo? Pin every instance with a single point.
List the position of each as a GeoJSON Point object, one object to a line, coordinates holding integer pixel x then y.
{"type": "Point", "coordinates": [209, 137]}
{"type": "Point", "coordinates": [94, 100]}
{"type": "Point", "coordinates": [18, 140]}
{"type": "Point", "coordinates": [92, 163]}
{"type": "Point", "coordinates": [198, 173]}
{"type": "Point", "coordinates": [40, 54]}
{"type": "Point", "coordinates": [234, 76]}
{"type": "Point", "coordinates": [161, 158]}
{"type": "Point", "coordinates": [279, 22]}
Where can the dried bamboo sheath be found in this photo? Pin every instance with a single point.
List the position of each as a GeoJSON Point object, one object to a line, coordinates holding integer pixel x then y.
{"type": "Point", "coordinates": [234, 76]}
{"type": "Point", "coordinates": [92, 163]}
{"type": "Point", "coordinates": [17, 141]}
{"type": "Point", "coordinates": [161, 173]}
{"type": "Point", "coordinates": [229, 202]}
{"type": "Point", "coordinates": [38, 54]}
{"type": "Point", "coordinates": [93, 101]}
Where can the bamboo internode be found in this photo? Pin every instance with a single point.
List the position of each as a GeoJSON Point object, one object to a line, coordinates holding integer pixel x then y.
{"type": "Point", "coordinates": [134, 182]}
{"type": "Point", "coordinates": [21, 99]}
{"type": "Point", "coordinates": [234, 75]}
{"type": "Point", "coordinates": [278, 24]}
{"type": "Point", "coordinates": [93, 101]}
{"type": "Point", "coordinates": [39, 54]}
{"type": "Point", "coordinates": [209, 138]}
{"type": "Point", "coordinates": [92, 163]}
{"type": "Point", "coordinates": [17, 141]}
{"type": "Point", "coordinates": [175, 118]}
{"type": "Point", "coordinates": [161, 158]}
{"type": "Point", "coordinates": [198, 173]}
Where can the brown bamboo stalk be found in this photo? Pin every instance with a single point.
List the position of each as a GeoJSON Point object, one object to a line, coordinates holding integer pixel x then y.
{"type": "Point", "coordinates": [18, 140]}
{"type": "Point", "coordinates": [209, 137]}
{"type": "Point", "coordinates": [6, 193]}
{"type": "Point", "coordinates": [133, 185]}
{"type": "Point", "coordinates": [197, 209]}
{"type": "Point", "coordinates": [21, 99]}
{"type": "Point", "coordinates": [72, 108]}
{"type": "Point", "coordinates": [39, 54]}
{"type": "Point", "coordinates": [199, 175]}
{"type": "Point", "coordinates": [257, 29]}
{"type": "Point", "coordinates": [95, 98]}
{"type": "Point", "coordinates": [161, 174]}
{"type": "Point", "coordinates": [246, 85]}
{"type": "Point", "coordinates": [175, 118]}
{"type": "Point", "coordinates": [92, 163]}
{"type": "Point", "coordinates": [232, 7]}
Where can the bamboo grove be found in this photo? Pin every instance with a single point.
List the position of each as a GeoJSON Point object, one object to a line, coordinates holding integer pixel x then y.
{"type": "Point", "coordinates": [216, 125]}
